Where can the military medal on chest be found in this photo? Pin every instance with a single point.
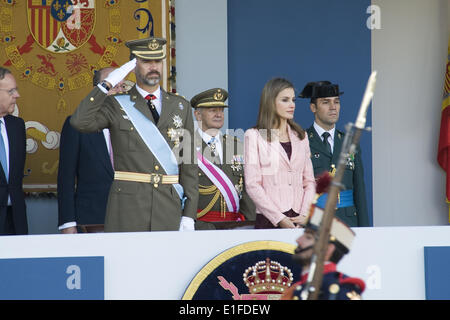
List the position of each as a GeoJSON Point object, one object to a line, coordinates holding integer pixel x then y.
{"type": "Point", "coordinates": [240, 186]}
{"type": "Point", "coordinates": [236, 162]}
{"type": "Point", "coordinates": [236, 165]}
{"type": "Point", "coordinates": [351, 161]}
{"type": "Point", "coordinates": [213, 147]}
{"type": "Point", "coordinates": [333, 170]}
{"type": "Point", "coordinates": [177, 132]}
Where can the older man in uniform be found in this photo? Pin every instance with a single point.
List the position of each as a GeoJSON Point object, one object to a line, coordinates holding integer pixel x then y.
{"type": "Point", "coordinates": [222, 195]}
{"type": "Point", "coordinates": [325, 142]}
{"type": "Point", "coordinates": [152, 190]}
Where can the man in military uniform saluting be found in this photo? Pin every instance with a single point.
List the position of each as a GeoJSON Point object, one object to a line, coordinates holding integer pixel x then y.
{"type": "Point", "coordinates": [220, 158]}
{"type": "Point", "coordinates": [325, 142]}
{"type": "Point", "coordinates": [151, 190]}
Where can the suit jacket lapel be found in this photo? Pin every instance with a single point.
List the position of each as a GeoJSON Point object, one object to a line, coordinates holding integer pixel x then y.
{"type": "Point", "coordinates": [316, 142]}
{"type": "Point", "coordinates": [166, 109]}
{"type": "Point", "coordinates": [338, 139]}
{"type": "Point", "coordinates": [277, 145]}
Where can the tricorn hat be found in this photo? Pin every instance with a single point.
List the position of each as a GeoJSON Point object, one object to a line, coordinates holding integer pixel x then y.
{"type": "Point", "coordinates": [212, 98]}
{"type": "Point", "coordinates": [320, 89]}
{"type": "Point", "coordinates": [148, 48]}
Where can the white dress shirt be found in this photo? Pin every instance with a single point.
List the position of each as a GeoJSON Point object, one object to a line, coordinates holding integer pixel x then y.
{"type": "Point", "coordinates": [157, 102]}
{"type": "Point", "coordinates": [320, 131]}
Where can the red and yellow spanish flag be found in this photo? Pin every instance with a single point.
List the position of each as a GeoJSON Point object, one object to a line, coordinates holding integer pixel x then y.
{"type": "Point", "coordinates": [444, 136]}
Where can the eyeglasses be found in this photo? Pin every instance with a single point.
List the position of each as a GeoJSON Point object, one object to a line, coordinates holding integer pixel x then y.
{"type": "Point", "coordinates": [11, 91]}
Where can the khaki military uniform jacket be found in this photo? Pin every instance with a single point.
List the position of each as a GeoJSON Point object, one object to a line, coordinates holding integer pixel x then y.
{"type": "Point", "coordinates": [210, 198]}
{"type": "Point", "coordinates": [140, 206]}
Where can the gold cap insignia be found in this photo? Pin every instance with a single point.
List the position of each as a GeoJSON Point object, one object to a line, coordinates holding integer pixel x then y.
{"type": "Point", "coordinates": [153, 45]}
{"type": "Point", "coordinates": [218, 96]}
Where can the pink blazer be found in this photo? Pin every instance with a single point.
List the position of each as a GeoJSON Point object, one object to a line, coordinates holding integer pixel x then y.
{"type": "Point", "coordinates": [275, 183]}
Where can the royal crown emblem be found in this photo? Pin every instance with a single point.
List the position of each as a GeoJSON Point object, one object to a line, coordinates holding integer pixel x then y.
{"type": "Point", "coordinates": [268, 277]}
{"type": "Point", "coordinates": [266, 280]}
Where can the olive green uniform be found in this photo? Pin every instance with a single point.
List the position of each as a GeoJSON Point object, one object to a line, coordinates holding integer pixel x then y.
{"type": "Point", "coordinates": [210, 198]}
{"type": "Point", "coordinates": [140, 206]}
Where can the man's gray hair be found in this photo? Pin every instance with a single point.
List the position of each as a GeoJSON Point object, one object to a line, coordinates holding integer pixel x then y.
{"type": "Point", "coordinates": [4, 72]}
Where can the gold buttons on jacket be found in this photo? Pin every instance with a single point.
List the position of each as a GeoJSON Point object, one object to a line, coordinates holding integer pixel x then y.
{"type": "Point", "coordinates": [334, 288]}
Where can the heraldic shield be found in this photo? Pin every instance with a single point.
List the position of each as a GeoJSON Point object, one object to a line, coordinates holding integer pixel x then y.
{"type": "Point", "coordinates": [61, 26]}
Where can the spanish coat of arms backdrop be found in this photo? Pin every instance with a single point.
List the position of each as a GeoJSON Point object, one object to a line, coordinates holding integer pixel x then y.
{"type": "Point", "coordinates": [54, 47]}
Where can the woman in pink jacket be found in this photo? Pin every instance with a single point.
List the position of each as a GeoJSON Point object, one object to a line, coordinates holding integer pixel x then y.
{"type": "Point", "coordinates": [278, 171]}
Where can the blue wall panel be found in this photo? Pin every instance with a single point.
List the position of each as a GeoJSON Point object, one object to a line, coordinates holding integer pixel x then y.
{"type": "Point", "coordinates": [437, 275]}
{"type": "Point", "coordinates": [301, 40]}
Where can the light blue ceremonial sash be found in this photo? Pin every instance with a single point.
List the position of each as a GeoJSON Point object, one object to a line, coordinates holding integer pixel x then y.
{"type": "Point", "coordinates": [154, 140]}
{"type": "Point", "coordinates": [345, 199]}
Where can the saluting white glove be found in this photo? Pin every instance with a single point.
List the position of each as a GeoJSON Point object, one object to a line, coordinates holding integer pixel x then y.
{"type": "Point", "coordinates": [187, 224]}
{"type": "Point", "coordinates": [119, 74]}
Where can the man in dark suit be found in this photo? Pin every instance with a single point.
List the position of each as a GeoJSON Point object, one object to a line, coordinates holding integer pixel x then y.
{"type": "Point", "coordinates": [153, 190]}
{"type": "Point", "coordinates": [85, 174]}
{"type": "Point", "coordinates": [325, 142]}
{"type": "Point", "coordinates": [225, 154]}
{"type": "Point", "coordinates": [13, 216]}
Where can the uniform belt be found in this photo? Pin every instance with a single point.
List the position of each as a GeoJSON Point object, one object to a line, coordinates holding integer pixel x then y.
{"type": "Point", "coordinates": [345, 199]}
{"type": "Point", "coordinates": [154, 178]}
{"type": "Point", "coordinates": [217, 216]}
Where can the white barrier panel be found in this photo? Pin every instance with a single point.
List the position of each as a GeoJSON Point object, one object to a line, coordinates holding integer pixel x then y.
{"type": "Point", "coordinates": [160, 265]}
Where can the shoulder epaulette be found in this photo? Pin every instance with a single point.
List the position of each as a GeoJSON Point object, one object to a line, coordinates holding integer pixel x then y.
{"type": "Point", "coordinates": [353, 281]}
{"type": "Point", "coordinates": [176, 94]}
